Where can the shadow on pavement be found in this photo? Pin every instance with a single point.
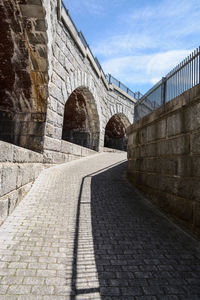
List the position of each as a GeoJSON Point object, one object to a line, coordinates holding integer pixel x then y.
{"type": "Point", "coordinates": [138, 253]}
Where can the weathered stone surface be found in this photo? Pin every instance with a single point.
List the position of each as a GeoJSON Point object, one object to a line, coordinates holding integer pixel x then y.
{"type": "Point", "coordinates": [6, 152]}
{"type": "Point", "coordinates": [67, 147]}
{"type": "Point", "coordinates": [13, 199]}
{"type": "Point", "coordinates": [86, 151]}
{"type": "Point", "coordinates": [25, 174]}
{"type": "Point", "coordinates": [52, 144]}
{"type": "Point", "coordinates": [175, 124]}
{"type": "Point", "coordinates": [32, 11]}
{"type": "Point", "coordinates": [197, 215]}
{"type": "Point", "coordinates": [3, 209]}
{"type": "Point", "coordinates": [9, 178]}
{"type": "Point", "coordinates": [195, 143]}
{"type": "Point", "coordinates": [58, 158]}
{"type": "Point", "coordinates": [23, 70]}
{"type": "Point", "coordinates": [161, 165]}
{"type": "Point", "coordinates": [176, 146]}
{"type": "Point", "coordinates": [192, 117]}
{"type": "Point", "coordinates": [156, 131]}
{"type": "Point", "coordinates": [165, 166]}
{"type": "Point", "coordinates": [189, 166]}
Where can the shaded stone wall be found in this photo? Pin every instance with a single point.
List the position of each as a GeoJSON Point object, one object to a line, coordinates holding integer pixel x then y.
{"type": "Point", "coordinates": [115, 134]}
{"type": "Point", "coordinates": [164, 157]}
{"type": "Point", "coordinates": [80, 125]}
{"type": "Point", "coordinates": [23, 73]}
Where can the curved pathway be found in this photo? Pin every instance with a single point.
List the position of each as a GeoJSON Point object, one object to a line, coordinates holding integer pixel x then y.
{"type": "Point", "coordinates": [82, 232]}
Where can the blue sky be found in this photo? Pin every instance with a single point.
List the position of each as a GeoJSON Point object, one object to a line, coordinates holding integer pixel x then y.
{"type": "Point", "coordinates": [138, 41]}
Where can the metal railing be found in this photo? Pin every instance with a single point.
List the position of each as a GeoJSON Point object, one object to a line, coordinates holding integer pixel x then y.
{"type": "Point", "coordinates": [110, 78]}
{"type": "Point", "coordinates": [67, 12]}
{"type": "Point", "coordinates": [183, 77]}
{"type": "Point", "coordinates": [113, 80]}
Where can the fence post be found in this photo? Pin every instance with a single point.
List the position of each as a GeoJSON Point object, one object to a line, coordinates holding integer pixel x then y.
{"type": "Point", "coordinates": [199, 63]}
{"type": "Point", "coordinates": [163, 91]}
{"type": "Point", "coordinates": [109, 79]}
{"type": "Point", "coordinates": [59, 5]}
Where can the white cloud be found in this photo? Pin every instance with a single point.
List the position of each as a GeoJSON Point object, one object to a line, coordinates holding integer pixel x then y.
{"type": "Point", "coordinates": [165, 26]}
{"type": "Point", "coordinates": [144, 69]}
{"type": "Point", "coordinates": [86, 7]}
{"type": "Point", "coordinates": [93, 7]}
{"type": "Point", "coordinates": [161, 63]}
{"type": "Point", "coordinates": [141, 44]}
{"type": "Point", "coordinates": [120, 44]}
{"type": "Point", "coordinates": [164, 10]}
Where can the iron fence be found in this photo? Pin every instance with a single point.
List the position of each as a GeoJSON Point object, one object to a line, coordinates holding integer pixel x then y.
{"type": "Point", "coordinates": [83, 39]}
{"type": "Point", "coordinates": [111, 79]}
{"type": "Point", "coordinates": [67, 12]}
{"type": "Point", "coordinates": [183, 77]}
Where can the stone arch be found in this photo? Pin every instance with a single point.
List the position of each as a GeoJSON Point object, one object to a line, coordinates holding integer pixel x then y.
{"type": "Point", "coordinates": [23, 73]}
{"type": "Point", "coordinates": [81, 120]}
{"type": "Point", "coordinates": [115, 132]}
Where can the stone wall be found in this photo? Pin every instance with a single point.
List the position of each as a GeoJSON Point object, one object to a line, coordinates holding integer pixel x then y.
{"type": "Point", "coordinates": [164, 157]}
{"type": "Point", "coordinates": [23, 73]}
{"type": "Point", "coordinates": [42, 63]}
{"type": "Point", "coordinates": [20, 167]}
{"type": "Point", "coordinates": [72, 70]}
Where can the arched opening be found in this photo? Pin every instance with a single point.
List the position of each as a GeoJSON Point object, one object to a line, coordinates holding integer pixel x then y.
{"type": "Point", "coordinates": [81, 121]}
{"type": "Point", "coordinates": [23, 73]}
{"type": "Point", "coordinates": [115, 132]}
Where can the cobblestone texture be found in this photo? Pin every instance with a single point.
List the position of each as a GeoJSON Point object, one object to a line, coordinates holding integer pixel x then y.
{"type": "Point", "coordinates": [82, 232]}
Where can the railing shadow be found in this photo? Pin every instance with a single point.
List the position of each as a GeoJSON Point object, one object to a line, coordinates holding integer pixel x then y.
{"type": "Point", "coordinates": [74, 289]}
{"type": "Point", "coordinates": [137, 252]}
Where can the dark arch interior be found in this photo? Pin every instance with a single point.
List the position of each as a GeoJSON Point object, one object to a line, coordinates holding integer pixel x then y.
{"type": "Point", "coordinates": [80, 124]}
{"type": "Point", "coordinates": [115, 134]}
{"type": "Point", "coordinates": [23, 76]}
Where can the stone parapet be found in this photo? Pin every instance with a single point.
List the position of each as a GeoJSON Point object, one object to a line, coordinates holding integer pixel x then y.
{"type": "Point", "coordinates": [164, 157]}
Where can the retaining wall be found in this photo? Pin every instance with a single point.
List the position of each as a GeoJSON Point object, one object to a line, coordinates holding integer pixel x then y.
{"type": "Point", "coordinates": [164, 157]}
{"type": "Point", "coordinates": [20, 167]}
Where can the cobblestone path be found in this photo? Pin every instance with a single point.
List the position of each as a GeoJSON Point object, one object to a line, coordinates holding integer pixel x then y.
{"type": "Point", "coordinates": [84, 233]}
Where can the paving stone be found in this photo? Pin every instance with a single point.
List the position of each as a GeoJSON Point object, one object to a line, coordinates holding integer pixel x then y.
{"type": "Point", "coordinates": [42, 290]}
{"type": "Point", "coordinates": [11, 280]}
{"type": "Point", "coordinates": [3, 289]}
{"type": "Point", "coordinates": [34, 280]}
{"type": "Point", "coordinates": [83, 232]}
{"type": "Point", "coordinates": [19, 289]}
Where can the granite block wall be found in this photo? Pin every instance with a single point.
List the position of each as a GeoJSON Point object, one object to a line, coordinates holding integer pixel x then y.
{"type": "Point", "coordinates": [164, 157]}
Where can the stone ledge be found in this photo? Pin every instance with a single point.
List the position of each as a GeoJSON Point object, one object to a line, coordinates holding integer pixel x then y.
{"type": "Point", "coordinates": [13, 175]}
{"type": "Point", "coordinates": [16, 154]}
{"type": "Point", "coordinates": [9, 201]}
